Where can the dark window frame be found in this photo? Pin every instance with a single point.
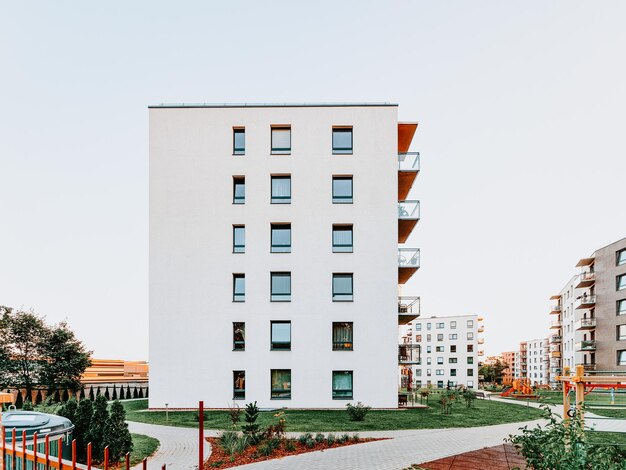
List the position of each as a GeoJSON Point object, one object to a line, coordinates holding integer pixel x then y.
{"type": "Point", "coordinates": [279, 345]}
{"type": "Point", "coordinates": [239, 297]}
{"type": "Point", "coordinates": [239, 181]}
{"type": "Point", "coordinates": [280, 297]}
{"type": "Point", "coordinates": [239, 344]}
{"type": "Point", "coordinates": [343, 248]}
{"type": "Point", "coordinates": [239, 393]}
{"type": "Point", "coordinates": [343, 199]}
{"type": "Point", "coordinates": [239, 150]}
{"type": "Point", "coordinates": [343, 394]}
{"type": "Point", "coordinates": [343, 345]}
{"type": "Point", "coordinates": [280, 150]}
{"type": "Point", "coordinates": [343, 296]}
{"type": "Point", "coordinates": [343, 150]}
{"type": "Point", "coordinates": [239, 248]}
{"type": "Point", "coordinates": [274, 248]}
{"type": "Point", "coordinates": [279, 199]}
{"type": "Point", "coordinates": [276, 392]}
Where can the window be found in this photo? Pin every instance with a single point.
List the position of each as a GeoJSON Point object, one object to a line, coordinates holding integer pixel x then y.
{"type": "Point", "coordinates": [342, 288]}
{"type": "Point", "coordinates": [470, 335]}
{"type": "Point", "coordinates": [342, 336]}
{"type": "Point", "coordinates": [239, 141]}
{"type": "Point", "coordinates": [239, 239]}
{"type": "Point", "coordinates": [239, 189]}
{"type": "Point", "coordinates": [429, 349]}
{"type": "Point", "coordinates": [453, 325]}
{"type": "Point", "coordinates": [239, 336]}
{"type": "Point", "coordinates": [280, 335]}
{"type": "Point", "coordinates": [440, 349]}
{"type": "Point", "coordinates": [452, 360]}
{"type": "Point", "coordinates": [439, 372]}
{"type": "Point", "coordinates": [453, 336]}
{"type": "Point", "coordinates": [418, 338]}
{"type": "Point", "coordinates": [429, 372]}
{"type": "Point", "coordinates": [281, 238]}
{"type": "Point", "coordinates": [620, 257]}
{"type": "Point", "coordinates": [440, 360]}
{"type": "Point", "coordinates": [418, 372]}
{"type": "Point", "coordinates": [470, 384]}
{"type": "Point", "coordinates": [418, 327]}
{"type": "Point", "coordinates": [342, 238]}
{"type": "Point", "coordinates": [453, 348]}
{"type": "Point", "coordinates": [342, 385]}
{"type": "Point", "coordinates": [429, 326]}
{"type": "Point", "coordinates": [470, 372]}
{"type": "Point", "coordinates": [470, 323]}
{"type": "Point", "coordinates": [428, 337]}
{"type": "Point", "coordinates": [470, 360]}
{"type": "Point", "coordinates": [439, 382]}
{"type": "Point", "coordinates": [470, 348]}
{"type": "Point", "coordinates": [342, 189]}
{"type": "Point", "coordinates": [239, 287]}
{"type": "Point", "coordinates": [621, 357]}
{"type": "Point", "coordinates": [440, 337]}
{"type": "Point", "coordinates": [621, 281]}
{"type": "Point", "coordinates": [621, 332]}
{"type": "Point", "coordinates": [280, 287]}
{"type": "Point", "coordinates": [440, 326]}
{"type": "Point", "coordinates": [281, 189]}
{"type": "Point", "coordinates": [429, 360]}
{"type": "Point", "coordinates": [239, 385]}
{"type": "Point", "coordinates": [621, 307]}
{"type": "Point", "coordinates": [453, 372]}
{"type": "Point", "coordinates": [281, 140]}
{"type": "Point", "coordinates": [342, 140]}
{"type": "Point", "coordinates": [281, 384]}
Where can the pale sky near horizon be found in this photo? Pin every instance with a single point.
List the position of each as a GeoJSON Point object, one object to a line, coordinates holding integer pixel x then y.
{"type": "Point", "coordinates": [521, 110]}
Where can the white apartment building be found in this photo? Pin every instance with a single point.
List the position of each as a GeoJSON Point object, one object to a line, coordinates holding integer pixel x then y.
{"type": "Point", "coordinates": [450, 349]}
{"type": "Point", "coordinates": [537, 357]}
{"type": "Point", "coordinates": [274, 258]}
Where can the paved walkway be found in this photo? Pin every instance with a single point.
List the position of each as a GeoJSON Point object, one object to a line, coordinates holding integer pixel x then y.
{"type": "Point", "coordinates": [178, 447]}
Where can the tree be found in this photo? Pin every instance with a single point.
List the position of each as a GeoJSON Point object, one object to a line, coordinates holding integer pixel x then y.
{"type": "Point", "coordinates": [68, 410]}
{"type": "Point", "coordinates": [82, 425]}
{"type": "Point", "coordinates": [116, 434]}
{"type": "Point", "coordinates": [33, 353]}
{"type": "Point", "coordinates": [95, 435]}
{"type": "Point", "coordinates": [493, 372]}
{"type": "Point", "coordinates": [66, 359]}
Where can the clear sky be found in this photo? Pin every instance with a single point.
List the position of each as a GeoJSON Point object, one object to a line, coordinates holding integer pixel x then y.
{"type": "Point", "coordinates": [522, 123]}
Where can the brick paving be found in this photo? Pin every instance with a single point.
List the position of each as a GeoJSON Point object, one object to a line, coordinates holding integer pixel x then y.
{"type": "Point", "coordinates": [502, 457]}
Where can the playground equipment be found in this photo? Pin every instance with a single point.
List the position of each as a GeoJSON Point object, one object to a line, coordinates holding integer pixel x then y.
{"type": "Point", "coordinates": [584, 384]}
{"type": "Point", "coordinates": [520, 389]}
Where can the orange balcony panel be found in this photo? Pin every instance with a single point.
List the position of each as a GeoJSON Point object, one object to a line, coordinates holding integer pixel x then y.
{"type": "Point", "coordinates": [585, 262]}
{"type": "Point", "coordinates": [405, 183]}
{"type": "Point", "coordinates": [405, 227]}
{"type": "Point", "coordinates": [404, 274]}
{"type": "Point", "coordinates": [406, 131]}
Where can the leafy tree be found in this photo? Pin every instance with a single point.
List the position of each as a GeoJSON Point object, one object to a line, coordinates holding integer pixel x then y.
{"type": "Point", "coordinates": [96, 432]}
{"type": "Point", "coordinates": [66, 359]}
{"type": "Point", "coordinates": [82, 425]}
{"type": "Point", "coordinates": [493, 372]}
{"type": "Point", "coordinates": [116, 434]}
{"type": "Point", "coordinates": [27, 406]}
{"type": "Point", "coordinates": [251, 428]}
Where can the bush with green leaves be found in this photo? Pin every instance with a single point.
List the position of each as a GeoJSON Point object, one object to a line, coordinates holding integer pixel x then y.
{"type": "Point", "coordinates": [27, 406]}
{"type": "Point", "coordinates": [319, 438]}
{"type": "Point", "coordinates": [290, 445]}
{"type": "Point", "coordinates": [305, 437]}
{"type": "Point", "coordinates": [564, 445]}
{"type": "Point", "coordinates": [356, 438]}
{"type": "Point", "coordinates": [116, 434]}
{"type": "Point", "coordinates": [357, 412]}
{"type": "Point", "coordinates": [344, 438]}
{"type": "Point", "coordinates": [330, 440]}
{"type": "Point", "coordinates": [49, 406]}
{"type": "Point", "coordinates": [95, 435]}
{"type": "Point", "coordinates": [82, 425]}
{"type": "Point", "coordinates": [232, 442]}
{"type": "Point", "coordinates": [251, 428]}
{"type": "Point", "coordinates": [469, 396]}
{"type": "Point", "coordinates": [310, 443]}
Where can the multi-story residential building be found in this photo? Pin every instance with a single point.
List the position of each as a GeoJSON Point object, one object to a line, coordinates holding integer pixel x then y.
{"type": "Point", "coordinates": [450, 351]}
{"type": "Point", "coordinates": [523, 360]}
{"type": "Point", "coordinates": [508, 357]}
{"type": "Point", "coordinates": [537, 360]}
{"type": "Point", "coordinates": [591, 311]}
{"type": "Point", "coordinates": [274, 233]}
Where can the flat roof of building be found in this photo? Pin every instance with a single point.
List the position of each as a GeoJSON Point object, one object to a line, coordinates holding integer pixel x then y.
{"type": "Point", "coordinates": [268, 105]}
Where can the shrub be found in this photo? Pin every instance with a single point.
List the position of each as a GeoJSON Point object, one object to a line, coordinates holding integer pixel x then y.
{"type": "Point", "coordinates": [357, 412]}
{"type": "Point", "coordinates": [95, 434]}
{"type": "Point", "coordinates": [319, 438]}
{"type": "Point", "coordinates": [27, 406]}
{"type": "Point", "coordinates": [278, 429]}
{"type": "Point", "coordinates": [234, 413]}
{"type": "Point", "coordinates": [305, 437]}
{"type": "Point", "coordinates": [251, 428]}
{"type": "Point", "coordinates": [268, 447]}
{"type": "Point", "coordinates": [310, 443]}
{"type": "Point", "coordinates": [48, 406]}
{"type": "Point", "coordinates": [116, 434]}
{"type": "Point", "coordinates": [344, 438]}
{"type": "Point", "coordinates": [232, 442]}
{"type": "Point", "coordinates": [68, 409]}
{"type": "Point", "coordinates": [290, 445]}
{"type": "Point", "coordinates": [563, 444]}
{"type": "Point", "coordinates": [356, 438]}
{"type": "Point", "coordinates": [469, 396]}
{"type": "Point", "coordinates": [330, 439]}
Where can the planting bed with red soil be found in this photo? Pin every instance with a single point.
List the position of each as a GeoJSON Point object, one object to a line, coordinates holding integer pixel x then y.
{"type": "Point", "coordinates": [252, 454]}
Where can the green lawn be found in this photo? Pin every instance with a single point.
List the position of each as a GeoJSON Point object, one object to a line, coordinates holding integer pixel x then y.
{"type": "Point", "coordinates": [143, 446]}
{"type": "Point", "coordinates": [609, 412]}
{"type": "Point", "coordinates": [617, 439]}
{"type": "Point", "coordinates": [593, 398]}
{"type": "Point", "coordinates": [485, 413]}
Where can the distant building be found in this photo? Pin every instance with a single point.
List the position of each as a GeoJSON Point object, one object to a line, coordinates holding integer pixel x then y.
{"type": "Point", "coordinates": [508, 358]}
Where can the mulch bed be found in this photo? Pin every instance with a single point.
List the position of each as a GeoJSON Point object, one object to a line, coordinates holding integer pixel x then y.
{"type": "Point", "coordinates": [502, 457]}
{"type": "Point", "coordinates": [218, 454]}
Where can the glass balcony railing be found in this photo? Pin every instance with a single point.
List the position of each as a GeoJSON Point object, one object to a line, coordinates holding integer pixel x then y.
{"type": "Point", "coordinates": [586, 279]}
{"type": "Point", "coordinates": [408, 305]}
{"type": "Point", "coordinates": [555, 309]}
{"type": "Point", "coordinates": [586, 346]}
{"type": "Point", "coordinates": [409, 353]}
{"type": "Point", "coordinates": [408, 257]}
{"type": "Point", "coordinates": [585, 301]}
{"type": "Point", "coordinates": [586, 324]}
{"type": "Point", "coordinates": [408, 210]}
{"type": "Point", "coordinates": [409, 161]}
{"type": "Point", "coordinates": [591, 366]}
{"type": "Point", "coordinates": [555, 339]}
{"type": "Point", "coordinates": [556, 324]}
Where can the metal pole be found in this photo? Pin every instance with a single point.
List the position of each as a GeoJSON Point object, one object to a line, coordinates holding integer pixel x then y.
{"type": "Point", "coordinates": [127, 460]}
{"type": "Point", "coordinates": [89, 456]}
{"type": "Point", "coordinates": [201, 435]}
{"type": "Point", "coordinates": [47, 445]}
{"type": "Point", "coordinates": [34, 450]}
{"type": "Point", "coordinates": [106, 458]}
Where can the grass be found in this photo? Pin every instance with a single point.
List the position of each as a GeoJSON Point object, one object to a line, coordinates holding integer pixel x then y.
{"type": "Point", "coordinates": [609, 412]}
{"type": "Point", "coordinates": [617, 439]}
{"type": "Point", "coordinates": [485, 413]}
{"type": "Point", "coordinates": [143, 446]}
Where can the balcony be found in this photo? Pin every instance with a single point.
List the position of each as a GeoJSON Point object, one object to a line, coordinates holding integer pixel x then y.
{"type": "Point", "coordinates": [481, 329]}
{"type": "Point", "coordinates": [481, 353]}
{"type": "Point", "coordinates": [555, 309]}
{"type": "Point", "coordinates": [408, 263]}
{"type": "Point", "coordinates": [555, 325]}
{"type": "Point", "coordinates": [408, 309]}
{"type": "Point", "coordinates": [586, 346]}
{"type": "Point", "coordinates": [408, 168]}
{"type": "Point", "coordinates": [409, 353]}
{"type": "Point", "coordinates": [586, 324]}
{"type": "Point", "coordinates": [481, 341]}
{"type": "Point", "coordinates": [555, 354]}
{"type": "Point", "coordinates": [408, 216]}
{"type": "Point", "coordinates": [591, 366]}
{"type": "Point", "coordinates": [585, 301]}
{"type": "Point", "coordinates": [587, 279]}
{"type": "Point", "coordinates": [556, 339]}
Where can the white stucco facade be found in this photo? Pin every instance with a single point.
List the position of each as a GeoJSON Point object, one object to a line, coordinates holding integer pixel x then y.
{"type": "Point", "coordinates": [537, 357]}
{"type": "Point", "coordinates": [192, 263]}
{"type": "Point", "coordinates": [449, 351]}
